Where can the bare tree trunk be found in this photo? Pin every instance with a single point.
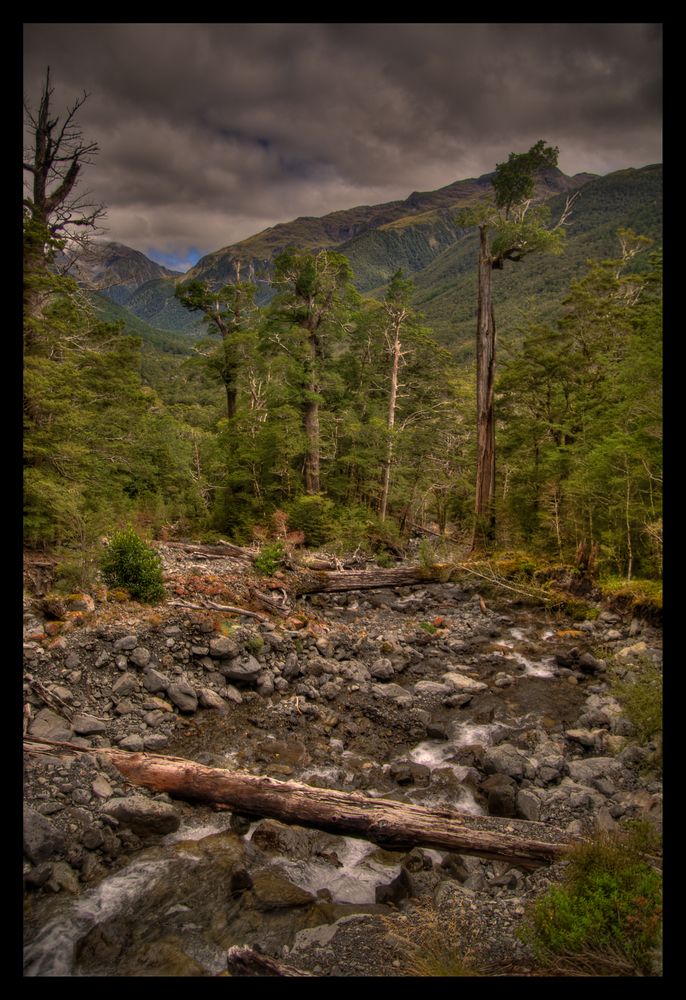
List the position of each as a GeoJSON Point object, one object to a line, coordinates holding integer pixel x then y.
{"type": "Point", "coordinates": [485, 420]}
{"type": "Point", "coordinates": [311, 421]}
{"type": "Point", "coordinates": [393, 825]}
{"type": "Point", "coordinates": [321, 581]}
{"type": "Point", "coordinates": [390, 423]}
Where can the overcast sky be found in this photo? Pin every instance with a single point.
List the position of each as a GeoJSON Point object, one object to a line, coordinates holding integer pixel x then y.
{"type": "Point", "coordinates": [209, 133]}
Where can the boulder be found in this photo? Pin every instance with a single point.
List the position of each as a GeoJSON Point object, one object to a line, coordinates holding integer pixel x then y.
{"type": "Point", "coordinates": [506, 759]}
{"type": "Point", "coordinates": [224, 648]}
{"type": "Point", "coordinates": [501, 792]}
{"type": "Point", "coordinates": [153, 680]}
{"type": "Point", "coordinates": [42, 840]}
{"type": "Point", "coordinates": [85, 725]}
{"type": "Point", "coordinates": [126, 643]}
{"type": "Point", "coordinates": [124, 685]}
{"type": "Point", "coordinates": [246, 669]}
{"type": "Point", "coordinates": [462, 683]}
{"type": "Point", "coordinates": [382, 669]}
{"type": "Point", "coordinates": [140, 656]}
{"type": "Point", "coordinates": [143, 815]}
{"type": "Point", "coordinates": [183, 696]}
{"type": "Point", "coordinates": [48, 725]}
{"type": "Point", "coordinates": [210, 699]}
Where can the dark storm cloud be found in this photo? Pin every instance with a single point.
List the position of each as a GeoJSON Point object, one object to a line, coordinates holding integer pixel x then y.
{"type": "Point", "coordinates": [210, 132]}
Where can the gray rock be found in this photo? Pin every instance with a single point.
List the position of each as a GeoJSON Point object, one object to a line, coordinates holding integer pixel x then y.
{"type": "Point", "coordinates": [126, 643]}
{"type": "Point", "coordinates": [505, 759]}
{"type": "Point", "coordinates": [222, 647]}
{"type": "Point", "coordinates": [39, 875]}
{"type": "Point", "coordinates": [246, 669]}
{"type": "Point", "coordinates": [143, 815]}
{"type": "Point", "coordinates": [589, 665]}
{"type": "Point", "coordinates": [461, 683]}
{"type": "Point", "coordinates": [501, 792]}
{"type": "Point", "coordinates": [125, 685]}
{"type": "Point", "coordinates": [430, 688]}
{"type": "Point", "coordinates": [133, 743]}
{"type": "Point", "coordinates": [49, 725]}
{"type": "Point", "coordinates": [102, 659]}
{"type": "Point", "coordinates": [120, 662]}
{"type": "Point", "coordinates": [42, 840]}
{"type": "Point", "coordinates": [86, 724]}
{"type": "Point", "coordinates": [125, 707]}
{"type": "Point", "coordinates": [153, 680]}
{"type": "Point", "coordinates": [155, 741]}
{"type": "Point", "coordinates": [64, 877]}
{"type": "Point", "coordinates": [232, 694]}
{"type": "Point", "coordinates": [101, 787]}
{"type": "Point", "coordinates": [528, 805]}
{"type": "Point", "coordinates": [210, 699]}
{"type": "Point", "coordinates": [183, 696]}
{"type": "Point", "coordinates": [393, 892]}
{"type": "Point", "coordinates": [92, 838]}
{"type": "Point", "coordinates": [584, 771]}
{"type": "Point", "coordinates": [406, 772]}
{"type": "Point", "coordinates": [392, 691]}
{"type": "Point", "coordinates": [382, 669]}
{"type": "Point", "coordinates": [140, 656]}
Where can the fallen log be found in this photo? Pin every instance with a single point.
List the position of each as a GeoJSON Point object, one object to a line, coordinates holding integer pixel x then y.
{"type": "Point", "coordinates": [223, 549]}
{"type": "Point", "coordinates": [241, 960]}
{"type": "Point", "coordinates": [366, 579]}
{"type": "Point", "coordinates": [392, 825]}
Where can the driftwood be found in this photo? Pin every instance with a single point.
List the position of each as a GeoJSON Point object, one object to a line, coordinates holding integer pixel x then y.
{"type": "Point", "coordinates": [400, 576]}
{"type": "Point", "coordinates": [222, 549]}
{"type": "Point", "coordinates": [392, 825]}
{"type": "Point", "coordinates": [242, 960]}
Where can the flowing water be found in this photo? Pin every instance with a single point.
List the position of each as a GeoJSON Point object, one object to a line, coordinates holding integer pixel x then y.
{"type": "Point", "coordinates": [177, 891]}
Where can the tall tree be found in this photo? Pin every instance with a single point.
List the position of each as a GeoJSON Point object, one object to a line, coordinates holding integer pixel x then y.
{"type": "Point", "coordinates": [53, 212]}
{"type": "Point", "coordinates": [510, 229]}
{"type": "Point", "coordinates": [312, 308]}
{"type": "Point", "coordinates": [228, 312]}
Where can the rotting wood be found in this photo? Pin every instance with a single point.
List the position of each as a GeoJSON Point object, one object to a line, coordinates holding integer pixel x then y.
{"type": "Point", "coordinates": [222, 549]}
{"type": "Point", "coordinates": [390, 824]}
{"type": "Point", "coordinates": [241, 960]}
{"type": "Point", "coordinates": [321, 581]}
{"type": "Point", "coordinates": [213, 606]}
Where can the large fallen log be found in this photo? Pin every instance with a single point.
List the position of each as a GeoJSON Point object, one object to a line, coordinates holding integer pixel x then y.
{"type": "Point", "coordinates": [392, 825]}
{"type": "Point", "coordinates": [366, 579]}
{"type": "Point", "coordinates": [223, 549]}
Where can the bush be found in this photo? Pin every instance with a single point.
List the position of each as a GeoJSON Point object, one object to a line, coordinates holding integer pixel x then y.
{"type": "Point", "coordinates": [313, 515]}
{"type": "Point", "coordinates": [133, 565]}
{"type": "Point", "coordinates": [270, 558]}
{"type": "Point", "coordinates": [641, 699]}
{"type": "Point", "coordinates": [609, 905]}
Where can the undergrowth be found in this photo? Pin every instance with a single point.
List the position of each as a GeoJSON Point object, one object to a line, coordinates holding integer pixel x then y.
{"type": "Point", "coordinates": [607, 910]}
{"type": "Point", "coordinates": [132, 564]}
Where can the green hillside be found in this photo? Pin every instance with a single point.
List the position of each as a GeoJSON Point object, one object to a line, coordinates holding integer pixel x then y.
{"type": "Point", "coordinates": [446, 287]}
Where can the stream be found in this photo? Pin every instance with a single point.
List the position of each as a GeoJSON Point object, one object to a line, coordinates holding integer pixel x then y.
{"type": "Point", "coordinates": [177, 906]}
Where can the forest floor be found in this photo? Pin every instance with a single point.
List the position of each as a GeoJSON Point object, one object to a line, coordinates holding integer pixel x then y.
{"type": "Point", "coordinates": [422, 694]}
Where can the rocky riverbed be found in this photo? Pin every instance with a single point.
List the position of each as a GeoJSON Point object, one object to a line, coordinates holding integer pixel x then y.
{"type": "Point", "coordinates": [418, 694]}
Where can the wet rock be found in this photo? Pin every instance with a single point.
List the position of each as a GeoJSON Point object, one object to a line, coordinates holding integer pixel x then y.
{"type": "Point", "coordinates": [393, 692]}
{"type": "Point", "coordinates": [271, 891]}
{"type": "Point", "coordinates": [142, 815]}
{"type": "Point", "coordinates": [506, 759]}
{"type": "Point", "coordinates": [417, 861]}
{"type": "Point", "coordinates": [588, 664]}
{"type": "Point", "coordinates": [406, 772]}
{"type": "Point", "coordinates": [397, 890]}
{"type": "Point", "coordinates": [85, 725]}
{"type": "Point", "coordinates": [64, 877]}
{"type": "Point", "coordinates": [183, 696]}
{"type": "Point", "coordinates": [501, 792]}
{"type": "Point", "coordinates": [92, 838]}
{"type": "Point", "coordinates": [240, 880]}
{"type": "Point", "coordinates": [41, 839]}
{"type": "Point", "coordinates": [39, 875]}
{"type": "Point", "coordinates": [461, 683]}
{"type": "Point", "coordinates": [454, 865]}
{"type": "Point", "coordinates": [584, 737]}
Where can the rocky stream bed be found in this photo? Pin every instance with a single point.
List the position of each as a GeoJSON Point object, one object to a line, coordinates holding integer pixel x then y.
{"type": "Point", "coordinates": [419, 694]}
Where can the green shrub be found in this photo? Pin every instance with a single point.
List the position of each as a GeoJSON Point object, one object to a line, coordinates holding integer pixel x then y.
{"type": "Point", "coordinates": [313, 515]}
{"type": "Point", "coordinates": [270, 558]}
{"type": "Point", "coordinates": [641, 699]}
{"type": "Point", "coordinates": [130, 563]}
{"type": "Point", "coordinates": [609, 903]}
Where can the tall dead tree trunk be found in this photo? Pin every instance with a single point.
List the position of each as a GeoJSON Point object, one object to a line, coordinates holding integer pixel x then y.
{"type": "Point", "coordinates": [390, 422]}
{"type": "Point", "coordinates": [484, 527]}
{"type": "Point", "coordinates": [311, 410]}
